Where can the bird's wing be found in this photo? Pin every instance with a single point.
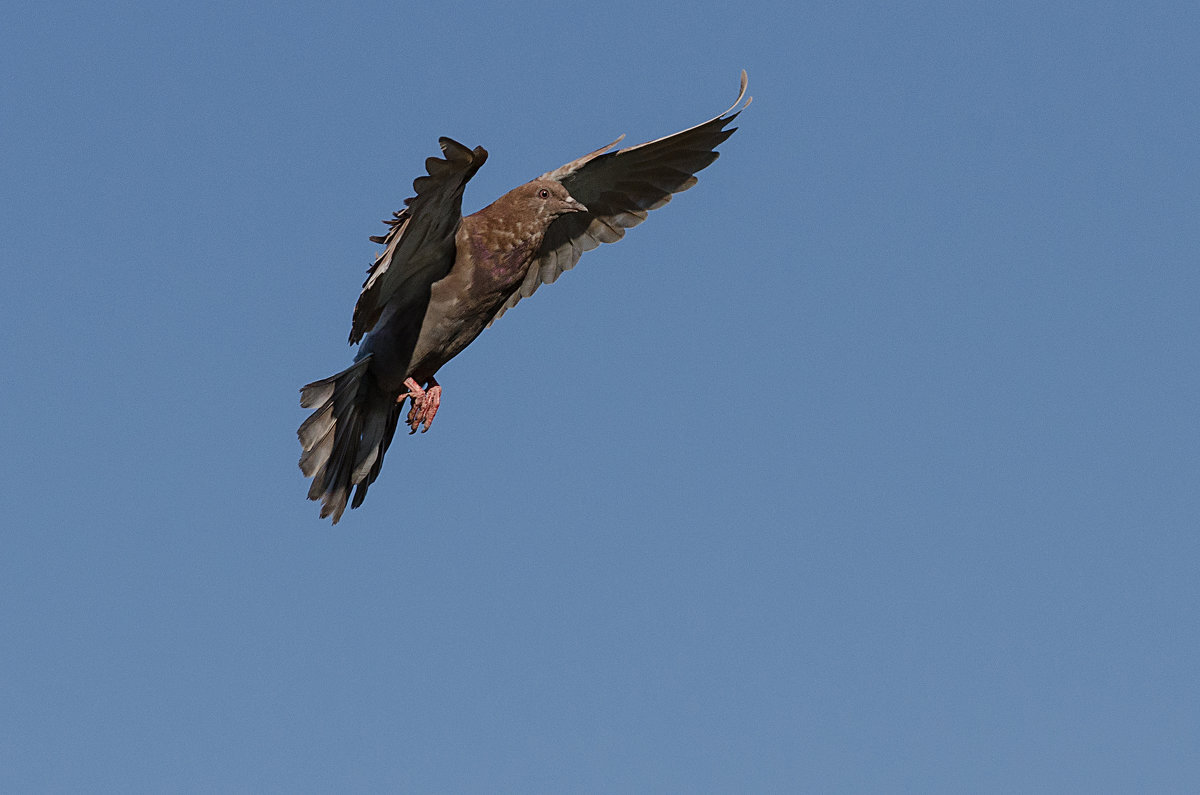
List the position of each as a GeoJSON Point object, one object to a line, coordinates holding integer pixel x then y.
{"type": "Point", "coordinates": [619, 189]}
{"type": "Point", "coordinates": [420, 243]}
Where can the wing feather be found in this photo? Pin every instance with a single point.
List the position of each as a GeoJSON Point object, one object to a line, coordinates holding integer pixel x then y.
{"type": "Point", "coordinates": [419, 244]}
{"type": "Point", "coordinates": [619, 189]}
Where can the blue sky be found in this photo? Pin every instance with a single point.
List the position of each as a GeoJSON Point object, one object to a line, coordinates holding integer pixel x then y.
{"type": "Point", "coordinates": [869, 464]}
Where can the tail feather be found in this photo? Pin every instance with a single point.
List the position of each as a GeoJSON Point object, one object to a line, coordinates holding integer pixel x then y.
{"type": "Point", "coordinates": [345, 438]}
{"type": "Point", "coordinates": [360, 493]}
{"type": "Point", "coordinates": [373, 427]}
{"type": "Point", "coordinates": [316, 437]}
{"type": "Point", "coordinates": [318, 391]}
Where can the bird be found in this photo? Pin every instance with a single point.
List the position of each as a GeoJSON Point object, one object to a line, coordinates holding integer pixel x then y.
{"type": "Point", "coordinates": [441, 279]}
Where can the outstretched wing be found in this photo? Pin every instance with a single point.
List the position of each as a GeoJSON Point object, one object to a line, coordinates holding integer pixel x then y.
{"type": "Point", "coordinates": [619, 189]}
{"type": "Point", "coordinates": [420, 243]}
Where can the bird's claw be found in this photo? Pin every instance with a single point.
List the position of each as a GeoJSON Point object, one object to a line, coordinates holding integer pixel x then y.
{"type": "Point", "coordinates": [423, 405]}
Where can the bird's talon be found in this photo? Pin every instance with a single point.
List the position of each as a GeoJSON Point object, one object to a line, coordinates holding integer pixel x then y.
{"type": "Point", "coordinates": [423, 406]}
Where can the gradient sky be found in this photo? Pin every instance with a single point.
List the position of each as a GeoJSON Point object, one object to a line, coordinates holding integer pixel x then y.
{"type": "Point", "coordinates": [869, 464]}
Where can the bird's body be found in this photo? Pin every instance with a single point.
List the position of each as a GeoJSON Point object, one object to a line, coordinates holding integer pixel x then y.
{"type": "Point", "coordinates": [442, 279]}
{"type": "Point", "coordinates": [491, 255]}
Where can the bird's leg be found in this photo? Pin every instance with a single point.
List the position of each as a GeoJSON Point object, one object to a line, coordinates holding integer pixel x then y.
{"type": "Point", "coordinates": [424, 403]}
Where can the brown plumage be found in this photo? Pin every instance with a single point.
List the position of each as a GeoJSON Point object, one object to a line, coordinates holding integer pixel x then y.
{"type": "Point", "coordinates": [442, 279]}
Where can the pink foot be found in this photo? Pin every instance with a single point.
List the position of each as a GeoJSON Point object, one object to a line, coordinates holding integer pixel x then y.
{"type": "Point", "coordinates": [424, 405]}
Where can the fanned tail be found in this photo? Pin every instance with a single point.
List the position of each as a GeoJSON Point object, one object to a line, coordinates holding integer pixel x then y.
{"type": "Point", "coordinates": [345, 438]}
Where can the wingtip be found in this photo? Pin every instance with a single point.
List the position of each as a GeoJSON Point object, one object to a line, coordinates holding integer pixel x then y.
{"type": "Point", "coordinates": [446, 144]}
{"type": "Point", "coordinates": [734, 109]}
{"type": "Point", "coordinates": [453, 150]}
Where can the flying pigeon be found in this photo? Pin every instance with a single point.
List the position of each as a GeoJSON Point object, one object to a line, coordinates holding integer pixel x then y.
{"type": "Point", "coordinates": [442, 279]}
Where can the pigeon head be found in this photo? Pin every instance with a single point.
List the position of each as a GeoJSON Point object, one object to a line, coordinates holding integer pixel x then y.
{"type": "Point", "coordinates": [549, 199]}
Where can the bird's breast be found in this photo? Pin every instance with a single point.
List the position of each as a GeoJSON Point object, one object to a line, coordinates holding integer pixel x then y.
{"type": "Point", "coordinates": [500, 263]}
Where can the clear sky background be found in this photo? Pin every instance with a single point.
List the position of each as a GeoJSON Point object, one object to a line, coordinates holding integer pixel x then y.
{"type": "Point", "coordinates": [869, 464]}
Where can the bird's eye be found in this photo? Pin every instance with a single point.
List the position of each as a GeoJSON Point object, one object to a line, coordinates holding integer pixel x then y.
{"type": "Point", "coordinates": [543, 194]}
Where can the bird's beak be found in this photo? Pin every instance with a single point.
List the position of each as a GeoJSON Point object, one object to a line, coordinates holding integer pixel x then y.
{"type": "Point", "coordinates": [575, 205]}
